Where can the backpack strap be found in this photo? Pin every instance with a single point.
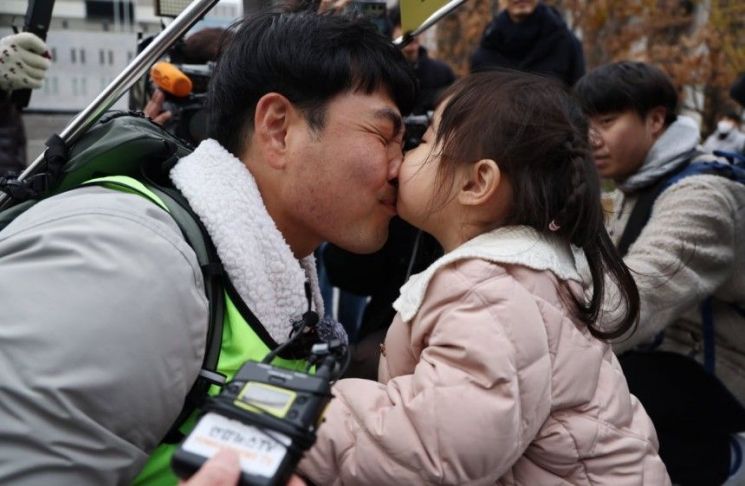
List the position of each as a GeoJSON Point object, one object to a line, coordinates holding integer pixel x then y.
{"type": "Point", "coordinates": [643, 210]}
{"type": "Point", "coordinates": [733, 158]}
{"type": "Point", "coordinates": [213, 274]}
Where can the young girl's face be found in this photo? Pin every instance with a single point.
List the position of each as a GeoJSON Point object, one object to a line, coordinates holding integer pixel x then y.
{"type": "Point", "coordinates": [452, 204]}
{"type": "Point", "coordinates": [418, 183]}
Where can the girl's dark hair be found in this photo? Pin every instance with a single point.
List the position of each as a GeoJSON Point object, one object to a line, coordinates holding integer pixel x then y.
{"type": "Point", "coordinates": [536, 132]}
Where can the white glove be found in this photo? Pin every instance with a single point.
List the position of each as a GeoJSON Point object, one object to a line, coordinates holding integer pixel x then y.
{"type": "Point", "coordinates": [22, 61]}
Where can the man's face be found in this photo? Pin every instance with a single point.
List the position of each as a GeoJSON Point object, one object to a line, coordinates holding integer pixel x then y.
{"type": "Point", "coordinates": [342, 185]}
{"type": "Point", "coordinates": [519, 10]}
{"type": "Point", "coordinates": [621, 141]}
{"type": "Point", "coordinates": [410, 50]}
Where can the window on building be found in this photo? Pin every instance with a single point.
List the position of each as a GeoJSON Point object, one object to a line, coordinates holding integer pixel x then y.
{"type": "Point", "coordinates": [73, 55]}
{"type": "Point", "coordinates": [119, 11]}
{"type": "Point", "coordinates": [82, 56]}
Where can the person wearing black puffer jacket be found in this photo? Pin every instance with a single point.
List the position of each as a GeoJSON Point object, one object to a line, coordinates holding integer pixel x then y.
{"type": "Point", "coordinates": [530, 36]}
{"type": "Point", "coordinates": [433, 75]}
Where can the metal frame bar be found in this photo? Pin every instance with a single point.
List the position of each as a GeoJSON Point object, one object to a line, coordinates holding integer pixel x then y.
{"type": "Point", "coordinates": [431, 20]}
{"type": "Point", "coordinates": [139, 65]}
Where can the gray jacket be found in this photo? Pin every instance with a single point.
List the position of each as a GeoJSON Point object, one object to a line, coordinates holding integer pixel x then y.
{"type": "Point", "coordinates": [102, 333]}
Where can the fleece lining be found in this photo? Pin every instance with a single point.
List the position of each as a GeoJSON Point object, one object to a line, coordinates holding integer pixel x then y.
{"type": "Point", "coordinates": [517, 245]}
{"type": "Point", "coordinates": [256, 257]}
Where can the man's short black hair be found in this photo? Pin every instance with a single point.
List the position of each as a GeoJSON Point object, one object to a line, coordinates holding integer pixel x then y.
{"type": "Point", "coordinates": [737, 90]}
{"type": "Point", "coordinates": [627, 85]}
{"type": "Point", "coordinates": [731, 114]}
{"type": "Point", "coordinates": [308, 58]}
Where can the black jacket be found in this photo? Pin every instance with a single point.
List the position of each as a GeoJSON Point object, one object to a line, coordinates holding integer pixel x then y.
{"type": "Point", "coordinates": [737, 91]}
{"type": "Point", "coordinates": [433, 76]}
{"type": "Point", "coordinates": [12, 137]}
{"type": "Point", "coordinates": [541, 44]}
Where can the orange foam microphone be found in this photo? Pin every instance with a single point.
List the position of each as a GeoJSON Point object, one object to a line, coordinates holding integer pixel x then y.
{"type": "Point", "coordinates": [171, 79]}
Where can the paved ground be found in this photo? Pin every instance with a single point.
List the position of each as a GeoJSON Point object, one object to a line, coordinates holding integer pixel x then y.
{"type": "Point", "coordinates": [39, 127]}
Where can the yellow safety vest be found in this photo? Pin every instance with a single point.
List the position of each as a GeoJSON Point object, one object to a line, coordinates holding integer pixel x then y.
{"type": "Point", "coordinates": [240, 343]}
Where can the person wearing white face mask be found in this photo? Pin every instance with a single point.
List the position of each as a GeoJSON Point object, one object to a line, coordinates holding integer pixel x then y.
{"type": "Point", "coordinates": [727, 137]}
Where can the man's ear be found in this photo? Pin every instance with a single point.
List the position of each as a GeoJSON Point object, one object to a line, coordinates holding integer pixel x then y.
{"type": "Point", "coordinates": [479, 182]}
{"type": "Point", "coordinates": [656, 121]}
{"type": "Point", "coordinates": [272, 118]}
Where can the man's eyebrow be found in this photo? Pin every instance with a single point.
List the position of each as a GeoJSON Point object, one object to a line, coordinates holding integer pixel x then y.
{"type": "Point", "coordinates": [391, 115]}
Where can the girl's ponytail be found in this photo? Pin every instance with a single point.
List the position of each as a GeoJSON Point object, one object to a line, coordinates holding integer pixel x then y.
{"type": "Point", "coordinates": [580, 220]}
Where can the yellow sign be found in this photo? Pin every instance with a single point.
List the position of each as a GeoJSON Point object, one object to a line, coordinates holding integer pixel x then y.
{"type": "Point", "coordinates": [414, 12]}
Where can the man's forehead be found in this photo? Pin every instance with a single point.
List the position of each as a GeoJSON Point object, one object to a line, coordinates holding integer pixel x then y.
{"type": "Point", "coordinates": [375, 105]}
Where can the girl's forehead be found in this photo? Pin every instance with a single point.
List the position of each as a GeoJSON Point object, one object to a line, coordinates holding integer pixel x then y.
{"type": "Point", "coordinates": [437, 115]}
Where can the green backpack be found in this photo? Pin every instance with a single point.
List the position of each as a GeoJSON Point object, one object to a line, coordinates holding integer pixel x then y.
{"type": "Point", "coordinates": [128, 144]}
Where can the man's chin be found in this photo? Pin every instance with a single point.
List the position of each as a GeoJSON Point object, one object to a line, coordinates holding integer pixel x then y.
{"type": "Point", "coordinates": [606, 172]}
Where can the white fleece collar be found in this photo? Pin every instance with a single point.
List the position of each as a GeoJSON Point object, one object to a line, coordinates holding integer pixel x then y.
{"type": "Point", "coordinates": [256, 257]}
{"type": "Point", "coordinates": [519, 245]}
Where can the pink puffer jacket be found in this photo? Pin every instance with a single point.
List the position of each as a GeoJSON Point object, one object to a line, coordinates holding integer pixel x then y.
{"type": "Point", "coordinates": [491, 382]}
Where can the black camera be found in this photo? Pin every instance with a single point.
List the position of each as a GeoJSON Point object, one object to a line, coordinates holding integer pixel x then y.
{"type": "Point", "coordinates": [415, 126]}
{"type": "Point", "coordinates": [188, 113]}
{"type": "Point", "coordinates": [267, 415]}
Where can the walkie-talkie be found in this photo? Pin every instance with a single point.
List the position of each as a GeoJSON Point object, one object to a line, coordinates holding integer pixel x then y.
{"type": "Point", "coordinates": [267, 415]}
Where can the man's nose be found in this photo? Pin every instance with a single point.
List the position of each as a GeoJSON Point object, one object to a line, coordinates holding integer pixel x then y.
{"type": "Point", "coordinates": [395, 165]}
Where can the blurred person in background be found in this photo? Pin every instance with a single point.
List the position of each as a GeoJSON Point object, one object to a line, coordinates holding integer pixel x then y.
{"type": "Point", "coordinates": [737, 90]}
{"type": "Point", "coordinates": [433, 75]}
{"type": "Point", "coordinates": [200, 48]}
{"type": "Point", "coordinates": [24, 61]}
{"type": "Point", "coordinates": [727, 137]}
{"type": "Point", "coordinates": [528, 35]}
{"type": "Point", "coordinates": [683, 244]}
